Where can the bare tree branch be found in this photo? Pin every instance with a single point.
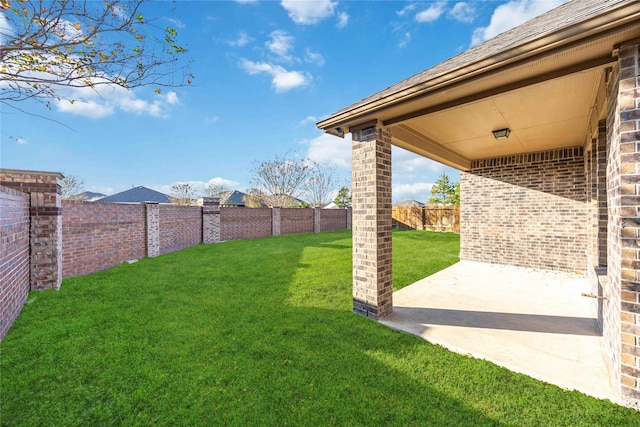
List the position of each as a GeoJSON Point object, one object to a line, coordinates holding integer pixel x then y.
{"type": "Point", "coordinates": [50, 48]}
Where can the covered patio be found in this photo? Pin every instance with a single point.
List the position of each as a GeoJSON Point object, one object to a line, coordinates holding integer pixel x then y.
{"type": "Point", "coordinates": [546, 330]}
{"type": "Point", "coordinates": [543, 121]}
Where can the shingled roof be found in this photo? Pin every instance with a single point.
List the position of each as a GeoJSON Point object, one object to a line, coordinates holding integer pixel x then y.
{"type": "Point", "coordinates": [136, 195]}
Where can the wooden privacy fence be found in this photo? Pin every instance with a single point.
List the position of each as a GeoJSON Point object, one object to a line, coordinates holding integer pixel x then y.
{"type": "Point", "coordinates": [434, 218]}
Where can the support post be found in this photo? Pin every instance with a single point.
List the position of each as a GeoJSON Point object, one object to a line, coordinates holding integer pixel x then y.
{"type": "Point", "coordinates": [371, 201]}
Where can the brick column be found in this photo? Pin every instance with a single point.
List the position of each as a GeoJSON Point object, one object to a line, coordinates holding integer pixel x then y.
{"type": "Point", "coordinates": [371, 201]}
{"type": "Point", "coordinates": [275, 221]}
{"type": "Point", "coordinates": [349, 223]}
{"type": "Point", "coordinates": [45, 223]}
{"type": "Point", "coordinates": [211, 220]}
{"type": "Point", "coordinates": [627, 195]}
{"type": "Point", "coordinates": [153, 229]}
{"type": "Point", "coordinates": [317, 225]}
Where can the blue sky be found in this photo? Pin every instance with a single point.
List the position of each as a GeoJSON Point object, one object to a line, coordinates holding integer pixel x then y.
{"type": "Point", "coordinates": [265, 73]}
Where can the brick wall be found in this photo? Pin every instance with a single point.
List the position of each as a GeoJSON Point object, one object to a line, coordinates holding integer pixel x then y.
{"type": "Point", "coordinates": [623, 185]}
{"type": "Point", "coordinates": [45, 236]}
{"type": "Point", "coordinates": [332, 219]}
{"type": "Point", "coordinates": [180, 227]}
{"type": "Point", "coordinates": [527, 210]}
{"type": "Point", "coordinates": [14, 255]}
{"type": "Point", "coordinates": [244, 223]}
{"type": "Point", "coordinates": [294, 220]}
{"type": "Point", "coordinates": [97, 236]}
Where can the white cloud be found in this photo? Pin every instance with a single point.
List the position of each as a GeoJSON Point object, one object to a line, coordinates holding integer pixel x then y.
{"type": "Point", "coordinates": [512, 14]}
{"type": "Point", "coordinates": [405, 163]}
{"type": "Point", "coordinates": [282, 79]}
{"type": "Point", "coordinates": [432, 13]}
{"type": "Point", "coordinates": [407, 9]}
{"type": "Point", "coordinates": [172, 98]}
{"type": "Point", "coordinates": [281, 44]}
{"type": "Point", "coordinates": [21, 141]}
{"type": "Point", "coordinates": [212, 119]}
{"type": "Point", "coordinates": [307, 120]}
{"type": "Point", "coordinates": [420, 191]}
{"type": "Point", "coordinates": [308, 12]}
{"type": "Point", "coordinates": [462, 12]}
{"type": "Point", "coordinates": [242, 40]}
{"type": "Point", "coordinates": [85, 108]}
{"type": "Point", "coordinates": [70, 30]}
{"type": "Point", "coordinates": [405, 40]}
{"type": "Point", "coordinates": [331, 150]}
{"type": "Point", "coordinates": [104, 100]}
{"type": "Point", "coordinates": [227, 183]}
{"type": "Point", "coordinates": [176, 22]}
{"type": "Point", "coordinates": [343, 20]}
{"type": "Point", "coordinates": [313, 57]}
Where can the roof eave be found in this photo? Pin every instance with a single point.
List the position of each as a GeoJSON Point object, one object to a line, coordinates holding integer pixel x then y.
{"type": "Point", "coordinates": [584, 30]}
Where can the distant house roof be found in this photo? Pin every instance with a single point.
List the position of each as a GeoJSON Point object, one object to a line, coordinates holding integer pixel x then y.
{"type": "Point", "coordinates": [137, 195]}
{"type": "Point", "coordinates": [410, 204]}
{"type": "Point", "coordinates": [234, 198]}
{"type": "Point", "coordinates": [331, 205]}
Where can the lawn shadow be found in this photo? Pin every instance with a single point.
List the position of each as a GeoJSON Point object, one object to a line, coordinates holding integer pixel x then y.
{"type": "Point", "coordinates": [244, 333]}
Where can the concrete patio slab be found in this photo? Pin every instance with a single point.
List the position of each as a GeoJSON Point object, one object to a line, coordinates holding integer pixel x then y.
{"type": "Point", "coordinates": [529, 321]}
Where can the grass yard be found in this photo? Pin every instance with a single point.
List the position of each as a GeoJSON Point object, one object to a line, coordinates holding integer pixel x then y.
{"type": "Point", "coordinates": [258, 332]}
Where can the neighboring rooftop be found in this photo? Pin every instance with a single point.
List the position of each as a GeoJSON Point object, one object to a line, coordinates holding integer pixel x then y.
{"type": "Point", "coordinates": [137, 195]}
{"type": "Point", "coordinates": [410, 204]}
{"type": "Point", "coordinates": [232, 198]}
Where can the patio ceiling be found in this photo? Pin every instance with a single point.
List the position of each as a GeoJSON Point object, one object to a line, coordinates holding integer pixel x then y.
{"type": "Point", "coordinates": [548, 89]}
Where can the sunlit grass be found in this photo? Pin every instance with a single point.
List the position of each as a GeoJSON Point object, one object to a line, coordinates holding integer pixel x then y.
{"type": "Point", "coordinates": [257, 332]}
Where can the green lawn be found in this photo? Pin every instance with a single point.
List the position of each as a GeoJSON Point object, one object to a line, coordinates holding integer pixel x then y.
{"type": "Point", "coordinates": [258, 332]}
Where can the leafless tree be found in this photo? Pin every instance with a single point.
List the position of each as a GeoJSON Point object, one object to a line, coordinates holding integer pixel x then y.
{"type": "Point", "coordinates": [183, 193]}
{"type": "Point", "coordinates": [319, 187]}
{"type": "Point", "coordinates": [51, 49]}
{"type": "Point", "coordinates": [282, 179]}
{"type": "Point", "coordinates": [254, 198]}
{"type": "Point", "coordinates": [72, 187]}
{"type": "Point", "coordinates": [217, 190]}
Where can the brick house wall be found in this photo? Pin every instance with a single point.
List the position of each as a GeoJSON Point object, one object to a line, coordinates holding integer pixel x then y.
{"type": "Point", "coordinates": [14, 255]}
{"type": "Point", "coordinates": [526, 210]}
{"type": "Point", "coordinates": [245, 223]}
{"type": "Point", "coordinates": [623, 194]}
{"type": "Point", "coordinates": [294, 220]}
{"type": "Point", "coordinates": [180, 227]}
{"type": "Point", "coordinates": [97, 236]}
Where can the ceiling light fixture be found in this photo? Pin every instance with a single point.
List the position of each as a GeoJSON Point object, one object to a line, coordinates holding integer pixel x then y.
{"type": "Point", "coordinates": [501, 133]}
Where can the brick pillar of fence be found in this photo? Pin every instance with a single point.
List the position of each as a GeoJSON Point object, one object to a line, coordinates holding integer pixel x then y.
{"type": "Point", "coordinates": [153, 229]}
{"type": "Point", "coordinates": [210, 220]}
{"type": "Point", "coordinates": [275, 221]}
{"type": "Point", "coordinates": [45, 224]}
{"type": "Point", "coordinates": [349, 223]}
{"type": "Point", "coordinates": [317, 224]}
